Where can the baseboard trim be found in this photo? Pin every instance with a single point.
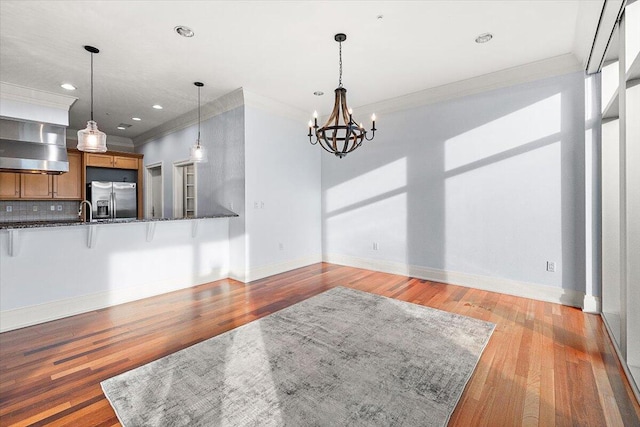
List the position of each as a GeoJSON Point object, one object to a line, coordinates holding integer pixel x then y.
{"type": "Point", "coordinates": [493, 284]}
{"type": "Point", "coordinates": [261, 272]}
{"type": "Point", "coordinates": [625, 367]}
{"type": "Point", "coordinates": [592, 304]}
{"type": "Point", "coordinates": [41, 313]}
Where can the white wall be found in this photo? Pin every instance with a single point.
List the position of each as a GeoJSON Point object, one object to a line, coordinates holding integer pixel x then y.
{"type": "Point", "coordinates": [127, 262]}
{"type": "Point", "coordinates": [256, 155]}
{"type": "Point", "coordinates": [490, 186]}
{"type": "Point", "coordinates": [283, 196]}
{"type": "Point", "coordinates": [221, 179]}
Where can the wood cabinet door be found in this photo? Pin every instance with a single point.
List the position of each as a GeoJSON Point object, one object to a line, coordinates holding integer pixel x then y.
{"type": "Point", "coordinates": [100, 160]}
{"type": "Point", "coordinates": [122, 162]}
{"type": "Point", "coordinates": [9, 185]}
{"type": "Point", "coordinates": [36, 186]}
{"type": "Point", "coordinates": [69, 185]}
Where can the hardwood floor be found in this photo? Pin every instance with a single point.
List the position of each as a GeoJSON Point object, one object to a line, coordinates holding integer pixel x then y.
{"type": "Point", "coordinates": [545, 364]}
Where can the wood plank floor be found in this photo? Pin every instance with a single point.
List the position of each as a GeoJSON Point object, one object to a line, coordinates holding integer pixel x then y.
{"type": "Point", "coordinates": [545, 364]}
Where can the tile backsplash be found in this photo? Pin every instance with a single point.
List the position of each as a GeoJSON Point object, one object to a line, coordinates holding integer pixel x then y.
{"type": "Point", "coordinates": [38, 210]}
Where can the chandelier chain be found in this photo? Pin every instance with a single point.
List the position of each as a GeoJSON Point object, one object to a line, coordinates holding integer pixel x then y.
{"type": "Point", "coordinates": [340, 80]}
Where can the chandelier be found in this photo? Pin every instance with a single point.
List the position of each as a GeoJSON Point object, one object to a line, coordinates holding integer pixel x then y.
{"type": "Point", "coordinates": [341, 134]}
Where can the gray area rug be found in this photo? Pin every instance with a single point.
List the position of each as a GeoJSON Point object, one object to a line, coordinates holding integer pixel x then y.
{"type": "Point", "coordinates": [341, 358]}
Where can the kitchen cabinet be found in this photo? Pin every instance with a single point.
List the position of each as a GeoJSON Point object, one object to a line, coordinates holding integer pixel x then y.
{"type": "Point", "coordinates": [9, 185]}
{"type": "Point", "coordinates": [36, 186]}
{"type": "Point", "coordinates": [69, 185]}
{"type": "Point", "coordinates": [112, 161]}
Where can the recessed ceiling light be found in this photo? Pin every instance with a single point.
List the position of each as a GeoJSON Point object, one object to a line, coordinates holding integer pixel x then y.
{"type": "Point", "coordinates": [121, 127]}
{"type": "Point", "coordinates": [318, 93]}
{"type": "Point", "coordinates": [483, 38]}
{"type": "Point", "coordinates": [67, 86]}
{"type": "Point", "coordinates": [137, 119]}
{"type": "Point", "coordinates": [158, 107]}
{"type": "Point", "coordinates": [184, 31]}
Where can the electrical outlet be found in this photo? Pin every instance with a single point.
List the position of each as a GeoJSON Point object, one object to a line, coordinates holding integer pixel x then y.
{"type": "Point", "coordinates": [35, 209]}
{"type": "Point", "coordinates": [375, 246]}
{"type": "Point", "coordinates": [551, 266]}
{"type": "Point", "coordinates": [52, 208]}
{"type": "Point", "coordinates": [59, 208]}
{"type": "Point", "coordinates": [9, 208]}
{"type": "Point", "coordinates": [255, 205]}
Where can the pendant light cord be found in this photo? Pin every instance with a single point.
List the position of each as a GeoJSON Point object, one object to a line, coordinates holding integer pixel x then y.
{"type": "Point", "coordinates": [91, 86]}
{"type": "Point", "coordinates": [198, 116]}
{"type": "Point", "coordinates": [340, 80]}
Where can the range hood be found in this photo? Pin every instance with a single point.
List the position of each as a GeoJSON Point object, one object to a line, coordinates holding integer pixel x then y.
{"type": "Point", "coordinates": [32, 147]}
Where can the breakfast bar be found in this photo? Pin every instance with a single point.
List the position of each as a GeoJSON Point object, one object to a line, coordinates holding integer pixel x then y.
{"type": "Point", "coordinates": [85, 266]}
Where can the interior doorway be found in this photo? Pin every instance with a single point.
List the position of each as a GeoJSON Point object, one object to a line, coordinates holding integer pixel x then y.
{"type": "Point", "coordinates": [185, 204]}
{"type": "Point", "coordinates": [154, 191]}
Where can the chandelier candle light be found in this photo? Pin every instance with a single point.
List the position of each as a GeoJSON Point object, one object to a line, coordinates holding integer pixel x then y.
{"type": "Point", "coordinates": [198, 152]}
{"type": "Point", "coordinates": [91, 139]}
{"type": "Point", "coordinates": [336, 137]}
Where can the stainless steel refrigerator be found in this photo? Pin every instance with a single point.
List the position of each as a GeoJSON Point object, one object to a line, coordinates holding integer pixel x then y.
{"type": "Point", "coordinates": [112, 200]}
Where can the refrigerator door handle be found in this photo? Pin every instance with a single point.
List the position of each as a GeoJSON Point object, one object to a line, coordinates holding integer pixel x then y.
{"type": "Point", "coordinates": [114, 213]}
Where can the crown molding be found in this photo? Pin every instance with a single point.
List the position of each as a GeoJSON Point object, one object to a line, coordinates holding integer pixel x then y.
{"type": "Point", "coordinates": [225, 103]}
{"type": "Point", "coordinates": [13, 92]}
{"type": "Point", "coordinates": [550, 67]}
{"type": "Point", "coordinates": [270, 105]}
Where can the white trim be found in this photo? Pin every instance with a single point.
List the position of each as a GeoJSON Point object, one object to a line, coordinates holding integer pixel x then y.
{"type": "Point", "coordinates": [275, 107]}
{"type": "Point", "coordinates": [178, 187]}
{"type": "Point", "coordinates": [225, 103]}
{"type": "Point", "coordinates": [263, 271]}
{"type": "Point", "coordinates": [148, 189]}
{"type": "Point", "coordinates": [625, 368]}
{"type": "Point", "coordinates": [611, 11]}
{"type": "Point", "coordinates": [591, 304]}
{"type": "Point", "coordinates": [493, 284]}
{"type": "Point", "coordinates": [551, 67]}
{"type": "Point", "coordinates": [13, 92]}
{"type": "Point", "coordinates": [32, 315]}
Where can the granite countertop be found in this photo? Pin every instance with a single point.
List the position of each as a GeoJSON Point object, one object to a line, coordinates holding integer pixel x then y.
{"type": "Point", "coordinates": [71, 223]}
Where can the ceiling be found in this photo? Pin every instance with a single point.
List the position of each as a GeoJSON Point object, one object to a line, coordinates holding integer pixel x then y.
{"type": "Point", "coordinates": [283, 50]}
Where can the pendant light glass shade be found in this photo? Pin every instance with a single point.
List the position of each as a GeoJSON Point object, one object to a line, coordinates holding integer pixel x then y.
{"type": "Point", "coordinates": [198, 153]}
{"type": "Point", "coordinates": [91, 139]}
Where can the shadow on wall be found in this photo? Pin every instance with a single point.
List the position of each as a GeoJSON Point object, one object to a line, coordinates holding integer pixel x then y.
{"type": "Point", "coordinates": [489, 185]}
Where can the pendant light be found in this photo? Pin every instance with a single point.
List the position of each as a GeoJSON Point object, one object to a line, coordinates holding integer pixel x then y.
{"type": "Point", "coordinates": [198, 152]}
{"type": "Point", "coordinates": [91, 139]}
{"type": "Point", "coordinates": [336, 137]}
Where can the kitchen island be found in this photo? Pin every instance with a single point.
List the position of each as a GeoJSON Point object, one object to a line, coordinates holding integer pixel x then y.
{"type": "Point", "coordinates": [54, 270]}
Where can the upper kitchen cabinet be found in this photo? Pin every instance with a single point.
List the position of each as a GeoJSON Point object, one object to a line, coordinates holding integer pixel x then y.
{"type": "Point", "coordinates": [35, 186]}
{"type": "Point", "coordinates": [118, 161]}
{"type": "Point", "coordinates": [65, 186]}
{"type": "Point", "coordinates": [9, 185]}
{"type": "Point", "coordinates": [69, 185]}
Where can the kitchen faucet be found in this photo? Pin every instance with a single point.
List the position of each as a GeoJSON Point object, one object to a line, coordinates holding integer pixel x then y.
{"type": "Point", "coordinates": [90, 210]}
